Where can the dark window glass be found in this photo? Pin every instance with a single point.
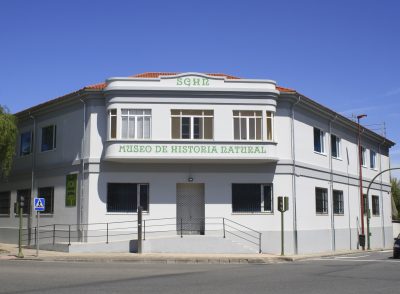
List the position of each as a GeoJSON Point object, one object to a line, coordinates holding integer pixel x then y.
{"type": "Point", "coordinates": [338, 207]}
{"type": "Point", "coordinates": [317, 140]}
{"type": "Point", "coordinates": [197, 127]}
{"type": "Point", "coordinates": [185, 128]}
{"type": "Point", "coordinates": [144, 196]}
{"type": "Point", "coordinates": [48, 194]}
{"type": "Point", "coordinates": [123, 197]}
{"type": "Point", "coordinates": [334, 146]}
{"type": "Point", "coordinates": [5, 201]}
{"type": "Point", "coordinates": [372, 159]}
{"type": "Point", "coordinates": [246, 197]}
{"type": "Point", "coordinates": [268, 203]}
{"type": "Point", "coordinates": [25, 147]}
{"type": "Point", "coordinates": [375, 205]}
{"type": "Point", "coordinates": [321, 200]}
{"type": "Point", "coordinates": [24, 195]}
{"type": "Point", "coordinates": [48, 138]}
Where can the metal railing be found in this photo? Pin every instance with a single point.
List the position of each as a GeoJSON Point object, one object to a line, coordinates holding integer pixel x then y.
{"type": "Point", "coordinates": [115, 231]}
{"type": "Point", "coordinates": [92, 232]}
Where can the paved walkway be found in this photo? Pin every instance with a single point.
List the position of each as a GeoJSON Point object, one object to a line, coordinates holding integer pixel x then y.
{"type": "Point", "coordinates": [10, 251]}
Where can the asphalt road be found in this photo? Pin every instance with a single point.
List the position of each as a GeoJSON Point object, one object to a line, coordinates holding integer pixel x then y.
{"type": "Point", "coordinates": [358, 273]}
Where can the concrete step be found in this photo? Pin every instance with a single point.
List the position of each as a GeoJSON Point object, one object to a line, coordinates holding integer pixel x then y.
{"type": "Point", "coordinates": [196, 244]}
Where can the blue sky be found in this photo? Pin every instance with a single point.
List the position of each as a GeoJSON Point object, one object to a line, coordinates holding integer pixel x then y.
{"type": "Point", "coordinates": [343, 54]}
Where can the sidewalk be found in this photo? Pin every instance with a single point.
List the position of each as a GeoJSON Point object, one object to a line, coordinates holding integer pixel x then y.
{"type": "Point", "coordinates": [10, 251]}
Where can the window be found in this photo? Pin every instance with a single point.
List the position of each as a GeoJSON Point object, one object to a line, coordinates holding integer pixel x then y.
{"type": "Point", "coordinates": [136, 123]}
{"type": "Point", "coordinates": [270, 126]}
{"type": "Point", "coordinates": [335, 146]}
{"type": "Point", "coordinates": [192, 124]}
{"type": "Point", "coordinates": [112, 123]}
{"type": "Point", "coordinates": [124, 197]}
{"type": "Point", "coordinates": [321, 200]}
{"type": "Point", "coordinates": [247, 125]}
{"type": "Point", "coordinates": [24, 195]}
{"type": "Point", "coordinates": [363, 158]}
{"type": "Point", "coordinates": [48, 194]}
{"type": "Point", "coordinates": [5, 201]}
{"type": "Point", "coordinates": [372, 159]}
{"type": "Point", "coordinates": [252, 198]}
{"type": "Point", "coordinates": [319, 141]}
{"type": "Point", "coordinates": [338, 207]}
{"type": "Point", "coordinates": [25, 145]}
{"type": "Point", "coordinates": [49, 138]}
{"type": "Point", "coordinates": [375, 205]}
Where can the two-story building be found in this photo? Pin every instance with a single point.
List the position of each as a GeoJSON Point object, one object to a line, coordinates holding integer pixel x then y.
{"type": "Point", "coordinates": [201, 154]}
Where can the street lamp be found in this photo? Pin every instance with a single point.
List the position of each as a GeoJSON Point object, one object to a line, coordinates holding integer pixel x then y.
{"type": "Point", "coordinates": [362, 236]}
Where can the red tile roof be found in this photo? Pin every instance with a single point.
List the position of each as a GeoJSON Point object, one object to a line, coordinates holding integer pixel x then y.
{"type": "Point", "coordinates": [154, 75]}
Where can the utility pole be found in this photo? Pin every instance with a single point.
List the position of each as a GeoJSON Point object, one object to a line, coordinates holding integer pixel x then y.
{"type": "Point", "coordinates": [361, 237]}
{"type": "Point", "coordinates": [20, 205]}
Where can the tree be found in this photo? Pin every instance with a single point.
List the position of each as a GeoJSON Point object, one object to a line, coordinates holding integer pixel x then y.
{"type": "Point", "coordinates": [395, 183]}
{"type": "Point", "coordinates": [8, 139]}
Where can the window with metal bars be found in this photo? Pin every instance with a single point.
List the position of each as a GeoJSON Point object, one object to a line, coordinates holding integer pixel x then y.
{"type": "Point", "coordinates": [252, 198]}
{"type": "Point", "coordinates": [321, 200]}
{"type": "Point", "coordinates": [5, 201]}
{"type": "Point", "coordinates": [125, 197]}
{"type": "Point", "coordinates": [338, 204]}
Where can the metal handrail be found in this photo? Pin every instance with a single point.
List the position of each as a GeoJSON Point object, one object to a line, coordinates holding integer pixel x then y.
{"type": "Point", "coordinates": [179, 226]}
{"type": "Point", "coordinates": [242, 225]}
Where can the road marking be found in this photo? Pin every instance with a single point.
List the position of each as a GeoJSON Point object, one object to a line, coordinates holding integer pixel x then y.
{"type": "Point", "coordinates": [358, 256]}
{"type": "Point", "coordinates": [355, 260]}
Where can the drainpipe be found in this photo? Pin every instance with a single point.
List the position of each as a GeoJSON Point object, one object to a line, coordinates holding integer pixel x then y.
{"type": "Point", "coordinates": [331, 184]}
{"type": "Point", "coordinates": [381, 195]}
{"type": "Point", "coordinates": [348, 193]}
{"type": "Point", "coordinates": [33, 164]}
{"type": "Point", "coordinates": [81, 198]}
{"type": "Point", "coordinates": [295, 238]}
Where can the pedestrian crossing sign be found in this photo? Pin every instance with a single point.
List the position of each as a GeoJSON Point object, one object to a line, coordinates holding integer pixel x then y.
{"type": "Point", "coordinates": [39, 204]}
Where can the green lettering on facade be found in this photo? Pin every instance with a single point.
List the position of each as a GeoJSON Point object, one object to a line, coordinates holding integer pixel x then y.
{"type": "Point", "coordinates": [192, 81]}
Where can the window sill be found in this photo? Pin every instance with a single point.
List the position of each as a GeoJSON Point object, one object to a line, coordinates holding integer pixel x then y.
{"type": "Point", "coordinates": [126, 213]}
{"type": "Point", "coordinates": [322, 214]}
{"type": "Point", "coordinates": [338, 214]}
{"type": "Point", "coordinates": [320, 153]}
{"type": "Point", "coordinates": [46, 151]}
{"type": "Point", "coordinates": [375, 215]}
{"type": "Point", "coordinates": [253, 213]}
{"type": "Point", "coordinates": [337, 158]}
{"type": "Point", "coordinates": [4, 215]}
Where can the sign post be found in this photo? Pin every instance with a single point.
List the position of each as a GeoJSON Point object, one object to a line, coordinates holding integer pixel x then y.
{"type": "Point", "coordinates": [39, 206]}
{"type": "Point", "coordinates": [283, 205]}
{"type": "Point", "coordinates": [19, 206]}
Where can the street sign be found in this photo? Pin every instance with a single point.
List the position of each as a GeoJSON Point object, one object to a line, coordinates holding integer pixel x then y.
{"type": "Point", "coordinates": [39, 204]}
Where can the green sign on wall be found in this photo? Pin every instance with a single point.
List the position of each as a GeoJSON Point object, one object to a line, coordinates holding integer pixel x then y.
{"type": "Point", "coordinates": [70, 190]}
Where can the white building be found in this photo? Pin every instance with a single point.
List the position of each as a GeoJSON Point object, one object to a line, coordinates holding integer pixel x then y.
{"type": "Point", "coordinates": [198, 152]}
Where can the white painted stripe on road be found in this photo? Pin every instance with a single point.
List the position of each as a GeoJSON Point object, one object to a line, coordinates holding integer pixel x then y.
{"type": "Point", "coordinates": [358, 256]}
{"type": "Point", "coordinates": [354, 260]}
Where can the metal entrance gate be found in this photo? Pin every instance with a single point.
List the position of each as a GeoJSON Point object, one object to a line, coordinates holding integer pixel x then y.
{"type": "Point", "coordinates": [190, 206]}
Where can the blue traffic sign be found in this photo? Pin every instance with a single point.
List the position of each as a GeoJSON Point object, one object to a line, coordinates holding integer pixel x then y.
{"type": "Point", "coordinates": [39, 204]}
